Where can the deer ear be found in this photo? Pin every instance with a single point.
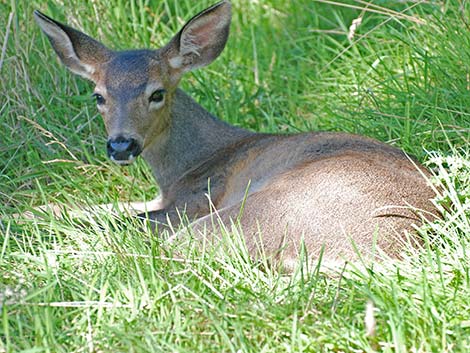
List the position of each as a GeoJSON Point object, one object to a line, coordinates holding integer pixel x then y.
{"type": "Point", "coordinates": [202, 39]}
{"type": "Point", "coordinates": [79, 52]}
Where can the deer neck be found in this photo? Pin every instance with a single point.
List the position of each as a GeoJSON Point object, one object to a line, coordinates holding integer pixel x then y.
{"type": "Point", "coordinates": [193, 136]}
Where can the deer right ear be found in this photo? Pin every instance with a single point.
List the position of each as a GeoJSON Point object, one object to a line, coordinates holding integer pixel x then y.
{"type": "Point", "coordinates": [79, 52]}
{"type": "Point", "coordinates": [202, 39]}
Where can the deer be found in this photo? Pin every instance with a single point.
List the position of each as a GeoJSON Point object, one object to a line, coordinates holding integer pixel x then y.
{"type": "Point", "coordinates": [335, 195]}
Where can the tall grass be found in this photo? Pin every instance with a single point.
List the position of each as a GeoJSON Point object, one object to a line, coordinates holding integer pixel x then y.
{"type": "Point", "coordinates": [403, 76]}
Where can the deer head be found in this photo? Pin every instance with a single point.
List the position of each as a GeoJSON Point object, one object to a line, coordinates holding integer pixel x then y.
{"type": "Point", "coordinates": [134, 88]}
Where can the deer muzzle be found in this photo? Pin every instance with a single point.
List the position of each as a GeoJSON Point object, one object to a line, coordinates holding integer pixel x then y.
{"type": "Point", "coordinates": [123, 150]}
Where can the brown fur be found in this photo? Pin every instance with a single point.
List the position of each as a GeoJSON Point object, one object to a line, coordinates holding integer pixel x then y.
{"type": "Point", "coordinates": [331, 190]}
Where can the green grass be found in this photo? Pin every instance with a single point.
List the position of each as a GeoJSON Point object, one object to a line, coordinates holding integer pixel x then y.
{"type": "Point", "coordinates": [404, 78]}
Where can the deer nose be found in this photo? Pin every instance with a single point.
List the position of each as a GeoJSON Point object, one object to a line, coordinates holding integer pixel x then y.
{"type": "Point", "coordinates": [123, 150]}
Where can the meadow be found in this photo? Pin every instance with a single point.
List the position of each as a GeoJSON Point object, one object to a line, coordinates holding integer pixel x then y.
{"type": "Point", "coordinates": [400, 74]}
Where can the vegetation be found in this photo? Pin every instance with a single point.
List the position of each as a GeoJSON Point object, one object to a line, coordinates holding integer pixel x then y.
{"type": "Point", "coordinates": [402, 75]}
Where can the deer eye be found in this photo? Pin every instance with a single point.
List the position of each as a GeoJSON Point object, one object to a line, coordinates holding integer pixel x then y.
{"type": "Point", "coordinates": [157, 96]}
{"type": "Point", "coordinates": [99, 98]}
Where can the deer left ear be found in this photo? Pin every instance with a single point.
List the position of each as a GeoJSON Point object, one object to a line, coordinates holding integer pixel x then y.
{"type": "Point", "coordinates": [202, 39]}
{"type": "Point", "coordinates": [79, 52]}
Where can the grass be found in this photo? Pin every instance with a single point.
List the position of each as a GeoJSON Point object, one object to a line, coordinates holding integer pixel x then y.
{"type": "Point", "coordinates": [402, 78]}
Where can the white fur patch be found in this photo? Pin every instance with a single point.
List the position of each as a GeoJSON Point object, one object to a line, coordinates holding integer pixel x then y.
{"type": "Point", "coordinates": [157, 105]}
{"type": "Point", "coordinates": [176, 62]}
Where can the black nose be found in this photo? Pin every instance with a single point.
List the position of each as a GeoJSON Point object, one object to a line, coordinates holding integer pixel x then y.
{"type": "Point", "coordinates": [123, 150]}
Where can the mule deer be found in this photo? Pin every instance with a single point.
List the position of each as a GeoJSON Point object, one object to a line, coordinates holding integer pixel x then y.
{"type": "Point", "coordinates": [334, 190]}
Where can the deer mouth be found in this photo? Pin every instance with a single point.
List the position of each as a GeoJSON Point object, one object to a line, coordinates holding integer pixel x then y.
{"type": "Point", "coordinates": [123, 162]}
